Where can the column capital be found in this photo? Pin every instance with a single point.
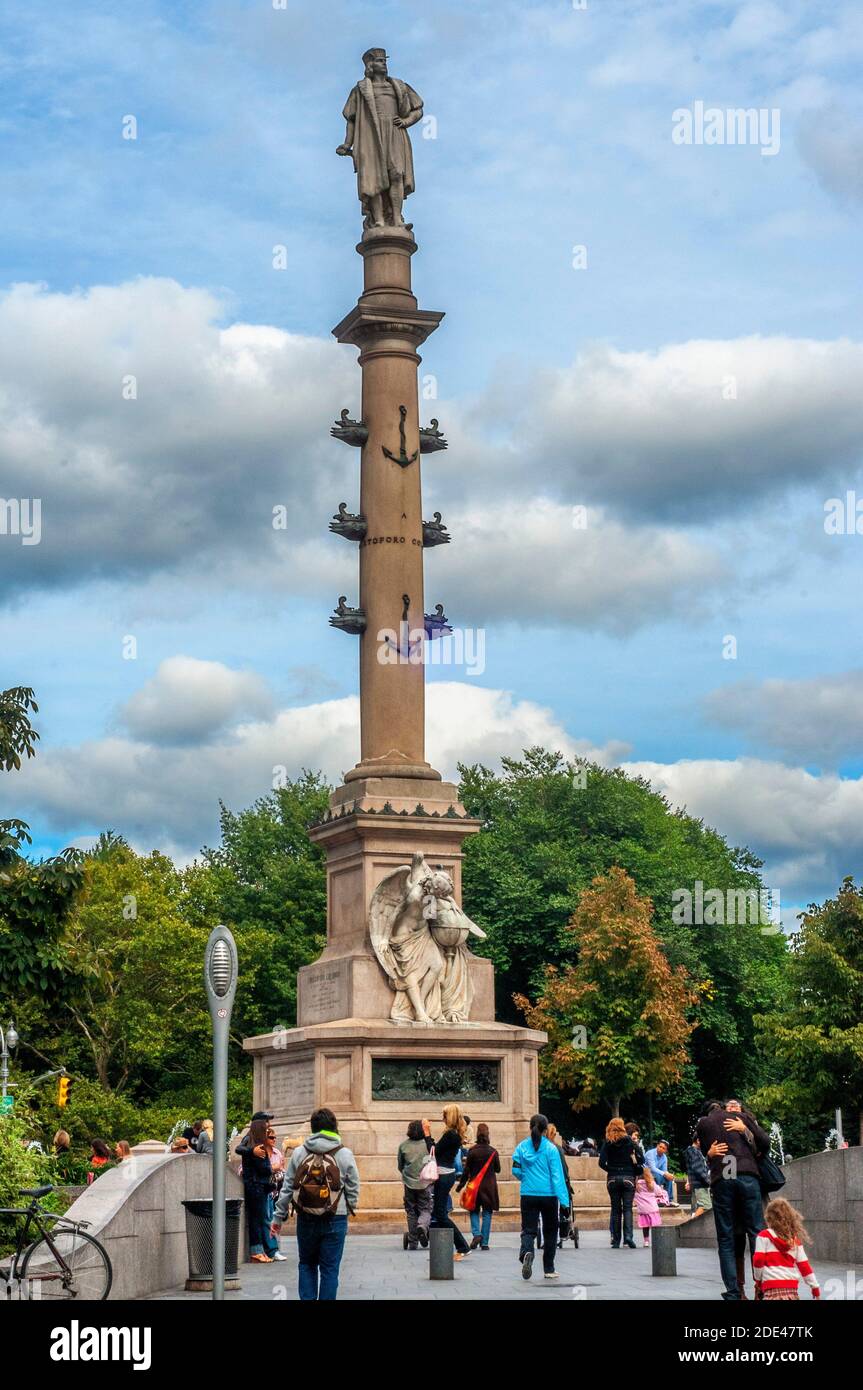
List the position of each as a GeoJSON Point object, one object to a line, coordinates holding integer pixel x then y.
{"type": "Point", "coordinates": [367, 322]}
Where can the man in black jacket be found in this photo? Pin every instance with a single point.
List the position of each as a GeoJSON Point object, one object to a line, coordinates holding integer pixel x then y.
{"type": "Point", "coordinates": [732, 1139]}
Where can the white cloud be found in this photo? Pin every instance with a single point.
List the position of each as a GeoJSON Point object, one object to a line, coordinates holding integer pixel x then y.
{"type": "Point", "coordinates": [532, 564]}
{"type": "Point", "coordinates": [188, 701]}
{"type": "Point", "coordinates": [808, 829]}
{"type": "Point", "coordinates": [815, 720]}
{"type": "Point", "coordinates": [226, 424]}
{"type": "Point", "coordinates": [229, 423]}
{"type": "Point", "coordinates": [167, 795]}
{"type": "Point", "coordinates": [692, 431]}
{"type": "Point", "coordinates": [830, 141]}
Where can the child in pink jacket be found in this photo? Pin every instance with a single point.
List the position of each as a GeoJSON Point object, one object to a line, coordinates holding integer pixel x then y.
{"type": "Point", "coordinates": [648, 1199]}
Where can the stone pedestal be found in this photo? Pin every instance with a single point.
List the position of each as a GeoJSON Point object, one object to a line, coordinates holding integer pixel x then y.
{"type": "Point", "coordinates": [375, 825]}
{"type": "Point", "coordinates": [366, 1071]}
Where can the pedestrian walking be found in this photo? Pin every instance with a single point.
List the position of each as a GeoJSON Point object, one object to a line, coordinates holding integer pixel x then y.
{"type": "Point", "coordinates": [446, 1149]}
{"type": "Point", "coordinates": [619, 1158]}
{"type": "Point", "coordinates": [538, 1167]}
{"type": "Point", "coordinates": [417, 1192]}
{"type": "Point", "coordinates": [479, 1184]}
{"type": "Point", "coordinates": [554, 1138]}
{"type": "Point", "coordinates": [257, 1181]}
{"type": "Point", "coordinates": [733, 1139]}
{"type": "Point", "coordinates": [122, 1150]}
{"type": "Point", "coordinates": [322, 1185]}
{"type": "Point", "coordinates": [649, 1196]}
{"type": "Point", "coordinates": [780, 1259]}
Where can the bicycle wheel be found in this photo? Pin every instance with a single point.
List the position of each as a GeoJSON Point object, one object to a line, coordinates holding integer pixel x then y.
{"type": "Point", "coordinates": [80, 1269]}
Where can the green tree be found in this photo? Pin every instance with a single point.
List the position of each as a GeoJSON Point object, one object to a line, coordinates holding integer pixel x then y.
{"type": "Point", "coordinates": [133, 995]}
{"type": "Point", "coordinates": [548, 828]}
{"type": "Point", "coordinates": [815, 1042]}
{"type": "Point", "coordinates": [267, 882]}
{"type": "Point", "coordinates": [617, 1021]}
{"type": "Point", "coordinates": [35, 898]}
{"type": "Point", "coordinates": [20, 1166]}
{"type": "Point", "coordinates": [17, 738]}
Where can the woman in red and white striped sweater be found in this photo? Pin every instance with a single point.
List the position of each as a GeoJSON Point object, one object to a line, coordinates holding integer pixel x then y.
{"type": "Point", "coordinates": [779, 1254]}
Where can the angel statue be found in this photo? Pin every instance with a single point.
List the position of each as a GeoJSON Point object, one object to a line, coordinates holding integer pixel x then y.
{"type": "Point", "coordinates": [419, 935]}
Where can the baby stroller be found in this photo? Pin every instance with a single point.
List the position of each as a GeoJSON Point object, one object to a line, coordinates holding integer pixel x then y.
{"type": "Point", "coordinates": [567, 1229]}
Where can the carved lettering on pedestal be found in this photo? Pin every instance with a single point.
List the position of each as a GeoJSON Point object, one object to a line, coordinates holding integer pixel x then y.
{"type": "Point", "coordinates": [325, 994]}
{"type": "Point", "coordinates": [292, 1086]}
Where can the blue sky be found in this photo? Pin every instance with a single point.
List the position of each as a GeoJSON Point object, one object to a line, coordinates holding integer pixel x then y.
{"type": "Point", "coordinates": [603, 387]}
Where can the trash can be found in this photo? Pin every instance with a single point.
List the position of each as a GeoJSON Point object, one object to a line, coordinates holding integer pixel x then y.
{"type": "Point", "coordinates": [199, 1242]}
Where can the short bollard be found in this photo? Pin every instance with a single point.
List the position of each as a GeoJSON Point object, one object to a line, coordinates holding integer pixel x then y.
{"type": "Point", "coordinates": [441, 1251]}
{"type": "Point", "coordinates": [663, 1250]}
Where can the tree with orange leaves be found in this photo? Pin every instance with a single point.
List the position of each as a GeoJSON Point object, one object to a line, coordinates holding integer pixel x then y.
{"type": "Point", "coordinates": [617, 1020]}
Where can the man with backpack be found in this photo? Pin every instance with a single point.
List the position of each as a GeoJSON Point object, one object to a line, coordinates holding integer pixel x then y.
{"type": "Point", "coordinates": [322, 1185]}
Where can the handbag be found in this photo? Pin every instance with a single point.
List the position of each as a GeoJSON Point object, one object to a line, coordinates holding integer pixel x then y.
{"type": "Point", "coordinates": [770, 1175]}
{"type": "Point", "coordinates": [429, 1173]}
{"type": "Point", "coordinates": [470, 1191]}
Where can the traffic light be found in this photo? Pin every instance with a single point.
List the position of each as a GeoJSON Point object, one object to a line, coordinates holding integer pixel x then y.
{"type": "Point", "coordinates": [64, 1090]}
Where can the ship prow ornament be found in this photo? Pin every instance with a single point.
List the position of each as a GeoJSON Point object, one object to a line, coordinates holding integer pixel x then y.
{"type": "Point", "coordinates": [436, 624]}
{"type": "Point", "coordinates": [348, 524]}
{"type": "Point", "coordinates": [349, 431]}
{"type": "Point", "coordinates": [434, 532]}
{"type": "Point", "coordinates": [431, 438]}
{"type": "Point", "coordinates": [348, 619]}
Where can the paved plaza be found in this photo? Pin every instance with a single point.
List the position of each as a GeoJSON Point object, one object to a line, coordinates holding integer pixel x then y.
{"type": "Point", "coordinates": [377, 1267]}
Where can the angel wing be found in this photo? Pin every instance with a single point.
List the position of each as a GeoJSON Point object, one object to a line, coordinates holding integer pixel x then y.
{"type": "Point", "coordinates": [386, 901]}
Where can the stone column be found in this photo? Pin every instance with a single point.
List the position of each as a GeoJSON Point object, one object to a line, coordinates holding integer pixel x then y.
{"type": "Point", "coordinates": [387, 327]}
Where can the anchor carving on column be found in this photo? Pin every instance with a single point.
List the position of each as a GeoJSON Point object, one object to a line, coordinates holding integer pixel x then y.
{"type": "Point", "coordinates": [401, 458]}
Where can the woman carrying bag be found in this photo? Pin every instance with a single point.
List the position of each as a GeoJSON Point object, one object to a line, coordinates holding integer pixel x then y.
{"type": "Point", "coordinates": [478, 1187]}
{"type": "Point", "coordinates": [444, 1151]}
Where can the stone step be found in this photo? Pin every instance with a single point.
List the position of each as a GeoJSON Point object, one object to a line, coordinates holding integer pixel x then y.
{"type": "Point", "coordinates": [391, 1220]}
{"type": "Point", "coordinates": [381, 1167]}
{"type": "Point", "coordinates": [375, 1195]}
{"type": "Point", "coordinates": [388, 1193]}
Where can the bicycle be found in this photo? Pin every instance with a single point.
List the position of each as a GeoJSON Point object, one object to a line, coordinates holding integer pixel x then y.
{"type": "Point", "coordinates": [65, 1262]}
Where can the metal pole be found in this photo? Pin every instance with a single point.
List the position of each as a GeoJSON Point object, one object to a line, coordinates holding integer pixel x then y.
{"type": "Point", "coordinates": [220, 977]}
{"type": "Point", "coordinates": [4, 1063]}
{"type": "Point", "coordinates": [839, 1135]}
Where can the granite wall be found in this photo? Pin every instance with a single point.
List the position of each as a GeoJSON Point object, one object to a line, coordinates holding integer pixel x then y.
{"type": "Point", "coordinates": [828, 1189]}
{"type": "Point", "coordinates": [136, 1211]}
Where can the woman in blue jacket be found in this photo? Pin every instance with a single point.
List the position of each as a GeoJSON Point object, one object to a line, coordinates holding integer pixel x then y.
{"type": "Point", "coordinates": [538, 1166]}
